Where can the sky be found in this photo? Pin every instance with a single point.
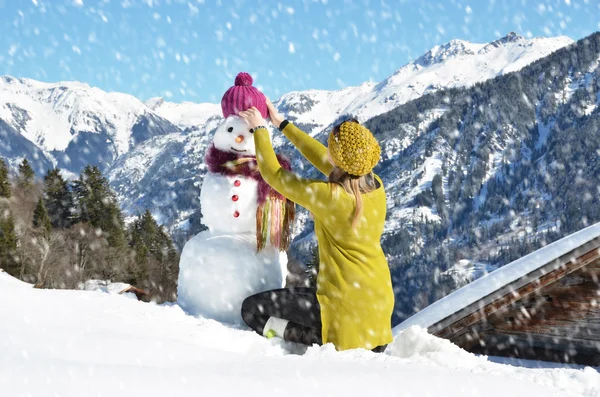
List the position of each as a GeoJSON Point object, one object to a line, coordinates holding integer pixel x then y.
{"type": "Point", "coordinates": [191, 50]}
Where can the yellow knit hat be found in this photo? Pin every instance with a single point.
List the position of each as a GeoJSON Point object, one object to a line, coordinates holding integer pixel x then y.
{"type": "Point", "coordinates": [354, 149]}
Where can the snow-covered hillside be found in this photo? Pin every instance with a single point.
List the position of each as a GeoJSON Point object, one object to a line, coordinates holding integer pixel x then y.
{"type": "Point", "coordinates": [74, 343]}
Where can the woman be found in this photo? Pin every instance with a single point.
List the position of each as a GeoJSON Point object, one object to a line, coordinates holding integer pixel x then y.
{"type": "Point", "coordinates": [352, 305]}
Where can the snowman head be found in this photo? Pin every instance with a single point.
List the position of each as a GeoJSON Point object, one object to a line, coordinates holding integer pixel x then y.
{"type": "Point", "coordinates": [234, 136]}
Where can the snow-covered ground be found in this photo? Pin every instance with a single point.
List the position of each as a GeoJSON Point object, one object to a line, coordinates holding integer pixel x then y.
{"type": "Point", "coordinates": [82, 343]}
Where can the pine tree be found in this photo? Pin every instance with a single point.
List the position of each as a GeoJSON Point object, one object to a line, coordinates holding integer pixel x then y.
{"type": "Point", "coordinates": [145, 238]}
{"type": "Point", "coordinates": [58, 199]}
{"type": "Point", "coordinates": [139, 268]}
{"type": "Point", "coordinates": [97, 205]}
{"type": "Point", "coordinates": [8, 243]}
{"type": "Point", "coordinates": [155, 253]}
{"type": "Point", "coordinates": [41, 218]}
{"type": "Point", "coordinates": [438, 195]}
{"type": "Point", "coordinates": [26, 174]}
{"type": "Point", "coordinates": [5, 190]}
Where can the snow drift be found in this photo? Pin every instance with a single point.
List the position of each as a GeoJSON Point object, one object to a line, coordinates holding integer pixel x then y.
{"type": "Point", "coordinates": [73, 343]}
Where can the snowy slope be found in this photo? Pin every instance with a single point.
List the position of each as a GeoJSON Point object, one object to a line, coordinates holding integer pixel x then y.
{"type": "Point", "coordinates": [74, 343]}
{"type": "Point", "coordinates": [493, 281]}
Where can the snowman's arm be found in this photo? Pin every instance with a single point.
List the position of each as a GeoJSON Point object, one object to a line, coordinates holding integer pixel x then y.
{"type": "Point", "coordinates": [311, 194]}
{"type": "Point", "coordinates": [313, 150]}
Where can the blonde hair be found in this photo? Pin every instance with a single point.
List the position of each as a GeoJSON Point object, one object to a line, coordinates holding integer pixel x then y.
{"type": "Point", "coordinates": [354, 185]}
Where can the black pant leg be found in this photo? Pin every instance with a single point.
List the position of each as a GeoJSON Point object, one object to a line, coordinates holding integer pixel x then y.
{"type": "Point", "coordinates": [297, 305]}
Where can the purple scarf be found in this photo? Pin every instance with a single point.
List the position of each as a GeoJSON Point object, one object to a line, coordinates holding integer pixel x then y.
{"type": "Point", "coordinates": [224, 163]}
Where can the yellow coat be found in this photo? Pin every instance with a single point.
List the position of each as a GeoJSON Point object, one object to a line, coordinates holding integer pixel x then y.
{"type": "Point", "coordinates": [354, 286]}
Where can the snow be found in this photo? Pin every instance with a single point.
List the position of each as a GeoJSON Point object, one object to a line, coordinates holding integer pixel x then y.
{"type": "Point", "coordinates": [217, 271]}
{"type": "Point", "coordinates": [73, 343]}
{"type": "Point", "coordinates": [466, 270]}
{"type": "Point", "coordinates": [414, 215]}
{"type": "Point", "coordinates": [455, 64]}
{"type": "Point", "coordinates": [491, 282]}
{"type": "Point", "coordinates": [403, 210]}
{"type": "Point", "coordinates": [134, 167]}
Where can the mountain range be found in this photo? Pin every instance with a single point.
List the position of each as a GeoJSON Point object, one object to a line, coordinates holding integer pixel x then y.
{"type": "Point", "coordinates": [457, 127]}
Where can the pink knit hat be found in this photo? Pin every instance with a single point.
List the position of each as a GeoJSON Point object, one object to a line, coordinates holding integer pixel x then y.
{"type": "Point", "coordinates": [242, 96]}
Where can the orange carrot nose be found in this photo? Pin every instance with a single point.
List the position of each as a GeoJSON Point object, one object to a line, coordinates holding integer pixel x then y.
{"type": "Point", "coordinates": [239, 139]}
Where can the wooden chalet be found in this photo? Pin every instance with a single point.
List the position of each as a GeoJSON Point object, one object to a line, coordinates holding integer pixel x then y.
{"type": "Point", "coordinates": [544, 306]}
{"type": "Point", "coordinates": [139, 293]}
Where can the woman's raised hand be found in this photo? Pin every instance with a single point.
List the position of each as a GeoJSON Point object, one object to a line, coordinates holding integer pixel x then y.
{"type": "Point", "coordinates": [253, 117]}
{"type": "Point", "coordinates": [274, 115]}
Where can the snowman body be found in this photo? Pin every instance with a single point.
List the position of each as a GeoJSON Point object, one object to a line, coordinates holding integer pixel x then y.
{"type": "Point", "coordinates": [229, 203]}
{"type": "Point", "coordinates": [220, 267]}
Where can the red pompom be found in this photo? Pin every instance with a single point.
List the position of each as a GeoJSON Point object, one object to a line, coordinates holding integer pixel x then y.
{"type": "Point", "coordinates": [244, 79]}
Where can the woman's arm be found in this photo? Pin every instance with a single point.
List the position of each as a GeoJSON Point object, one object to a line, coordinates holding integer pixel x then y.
{"type": "Point", "coordinates": [313, 150]}
{"type": "Point", "coordinates": [310, 194]}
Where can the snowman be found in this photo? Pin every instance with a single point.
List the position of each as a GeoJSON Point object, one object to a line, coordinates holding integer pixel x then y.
{"type": "Point", "coordinates": [243, 250]}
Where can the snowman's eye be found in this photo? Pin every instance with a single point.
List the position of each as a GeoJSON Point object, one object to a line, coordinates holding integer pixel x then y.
{"type": "Point", "coordinates": [230, 129]}
{"type": "Point", "coordinates": [251, 131]}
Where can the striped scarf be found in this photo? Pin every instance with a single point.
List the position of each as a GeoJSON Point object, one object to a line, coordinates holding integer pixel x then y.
{"type": "Point", "coordinates": [275, 213]}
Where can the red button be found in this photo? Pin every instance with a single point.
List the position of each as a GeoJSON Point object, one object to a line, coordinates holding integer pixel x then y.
{"type": "Point", "coordinates": [237, 183]}
{"type": "Point", "coordinates": [236, 214]}
{"type": "Point", "coordinates": [235, 197]}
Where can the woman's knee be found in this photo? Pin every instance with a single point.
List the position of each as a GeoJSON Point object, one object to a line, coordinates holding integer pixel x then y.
{"type": "Point", "coordinates": [247, 311]}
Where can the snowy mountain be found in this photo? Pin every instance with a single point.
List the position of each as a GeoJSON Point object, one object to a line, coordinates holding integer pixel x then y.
{"type": "Point", "coordinates": [72, 124]}
{"type": "Point", "coordinates": [455, 64]}
{"type": "Point", "coordinates": [165, 174]}
{"type": "Point", "coordinates": [458, 63]}
{"type": "Point", "coordinates": [73, 343]}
